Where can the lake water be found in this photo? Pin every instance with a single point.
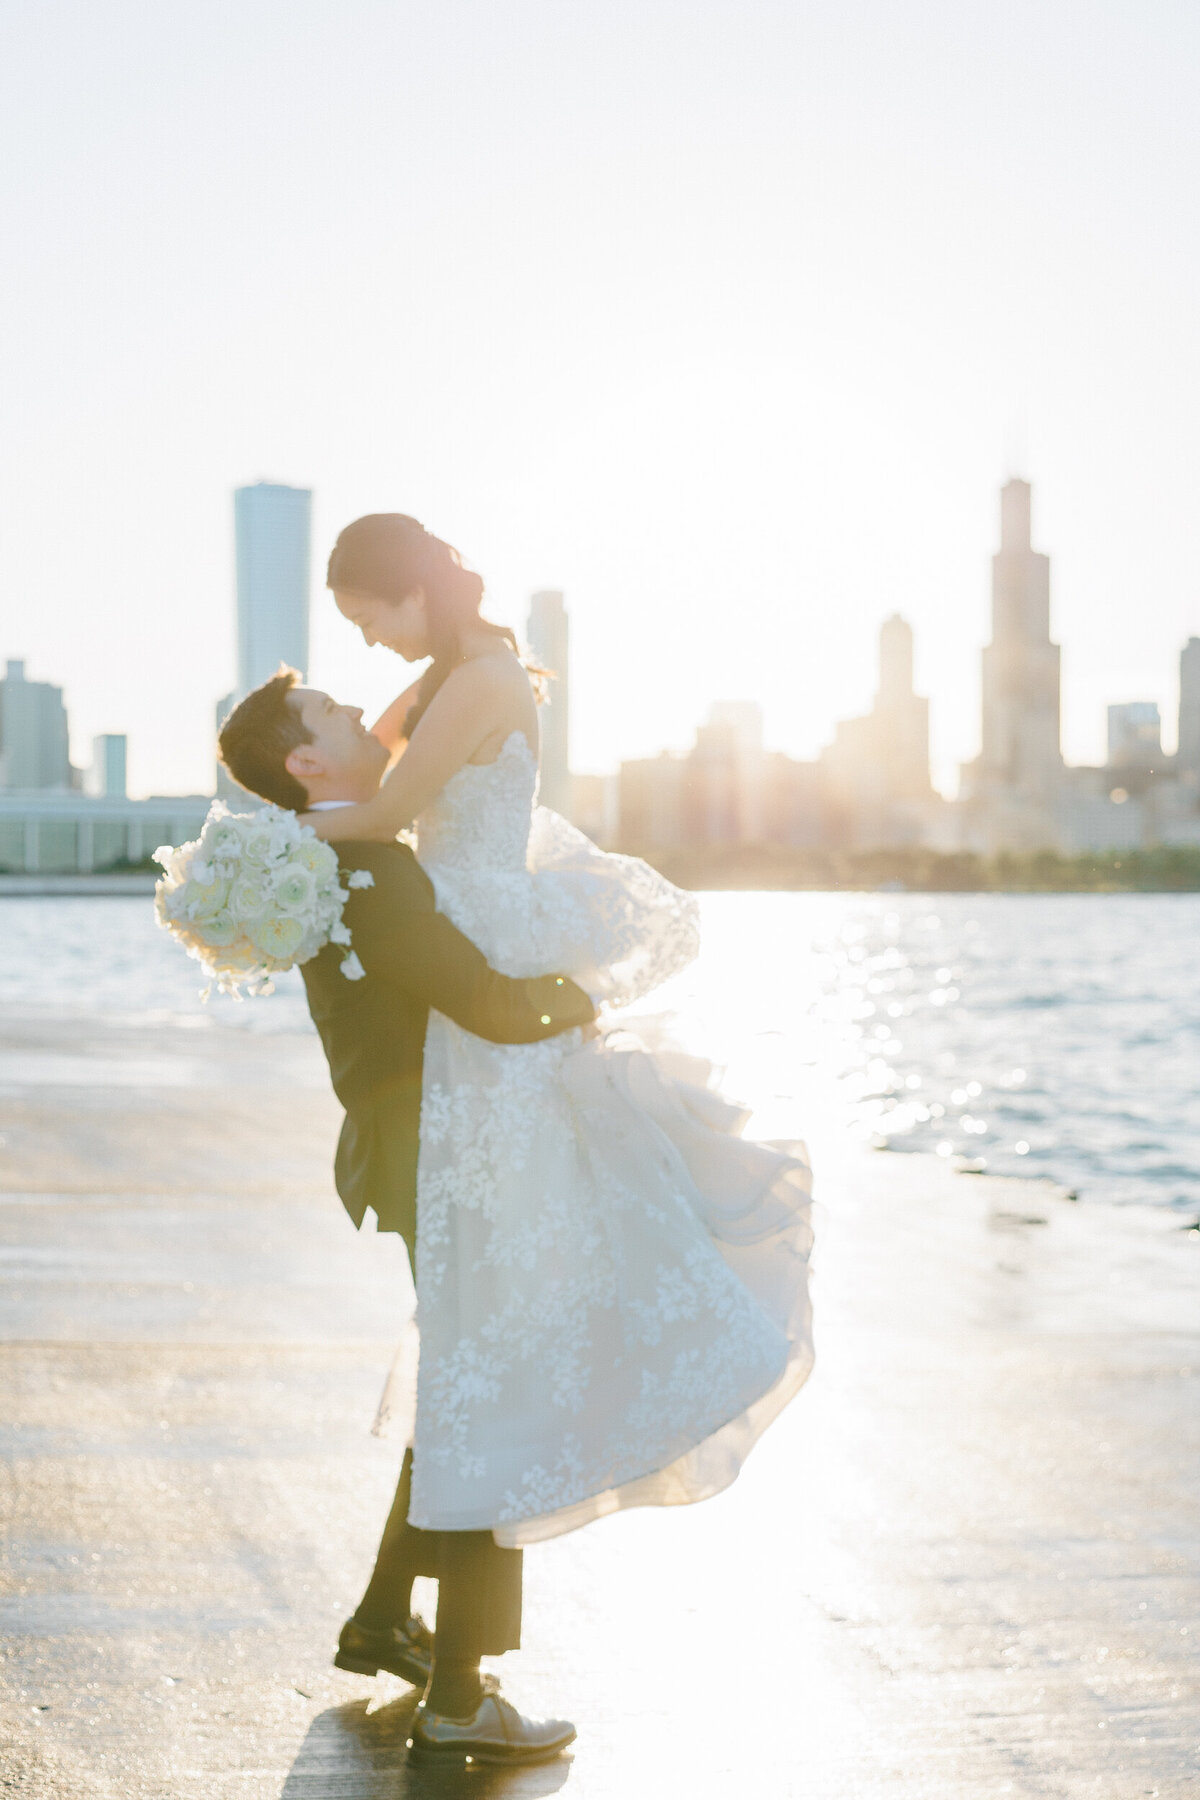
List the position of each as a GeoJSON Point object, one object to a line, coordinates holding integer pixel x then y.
{"type": "Point", "coordinates": [1049, 1035]}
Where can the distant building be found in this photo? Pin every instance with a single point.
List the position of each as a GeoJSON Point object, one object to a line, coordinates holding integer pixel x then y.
{"type": "Point", "coordinates": [1094, 815]}
{"type": "Point", "coordinates": [795, 803]}
{"type": "Point", "coordinates": [548, 634]}
{"type": "Point", "coordinates": [650, 803]}
{"type": "Point", "coordinates": [723, 777]}
{"type": "Point", "coordinates": [226, 787]}
{"type": "Point", "coordinates": [34, 748]}
{"type": "Point", "coordinates": [877, 767]}
{"type": "Point", "coordinates": [594, 807]}
{"type": "Point", "coordinates": [108, 773]}
{"type": "Point", "coordinates": [272, 526]}
{"type": "Point", "coordinates": [68, 834]}
{"type": "Point", "coordinates": [1135, 735]}
{"type": "Point", "coordinates": [1021, 667]}
{"type": "Point", "coordinates": [727, 791]}
{"type": "Point", "coordinates": [1014, 786]}
{"type": "Point", "coordinates": [1188, 757]}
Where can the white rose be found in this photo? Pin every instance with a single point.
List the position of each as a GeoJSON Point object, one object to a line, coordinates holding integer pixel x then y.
{"type": "Point", "coordinates": [205, 899]}
{"type": "Point", "coordinates": [224, 839]}
{"type": "Point", "coordinates": [258, 846]}
{"type": "Point", "coordinates": [250, 896]}
{"type": "Point", "coordinates": [278, 938]}
{"type": "Point", "coordinates": [221, 931]}
{"type": "Point", "coordinates": [318, 858]}
{"type": "Point", "coordinates": [295, 889]}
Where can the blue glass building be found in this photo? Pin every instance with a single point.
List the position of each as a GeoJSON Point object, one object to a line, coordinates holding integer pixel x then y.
{"type": "Point", "coordinates": [273, 528]}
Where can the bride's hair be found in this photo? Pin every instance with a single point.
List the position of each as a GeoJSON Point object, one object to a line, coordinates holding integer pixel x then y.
{"type": "Point", "coordinates": [387, 555]}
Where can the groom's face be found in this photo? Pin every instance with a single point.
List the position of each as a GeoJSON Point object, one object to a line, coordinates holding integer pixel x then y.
{"type": "Point", "coordinates": [343, 760]}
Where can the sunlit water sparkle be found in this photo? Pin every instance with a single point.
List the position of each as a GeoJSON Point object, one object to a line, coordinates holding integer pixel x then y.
{"type": "Point", "coordinates": [1049, 1035]}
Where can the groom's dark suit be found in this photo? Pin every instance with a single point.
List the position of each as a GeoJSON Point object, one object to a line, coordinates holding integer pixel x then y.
{"type": "Point", "coordinates": [373, 1031]}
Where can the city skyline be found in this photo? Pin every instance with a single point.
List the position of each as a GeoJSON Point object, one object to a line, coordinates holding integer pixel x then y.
{"type": "Point", "coordinates": [733, 345]}
{"type": "Point", "coordinates": [1020, 733]}
{"type": "Point", "coordinates": [343, 666]}
{"type": "Point", "coordinates": [870, 788]}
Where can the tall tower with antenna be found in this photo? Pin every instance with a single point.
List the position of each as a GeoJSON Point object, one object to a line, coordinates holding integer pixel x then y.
{"type": "Point", "coordinates": [1021, 667]}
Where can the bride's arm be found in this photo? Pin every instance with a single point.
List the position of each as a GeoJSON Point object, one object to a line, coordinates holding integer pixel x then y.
{"type": "Point", "coordinates": [471, 704]}
{"type": "Point", "coordinates": [389, 726]}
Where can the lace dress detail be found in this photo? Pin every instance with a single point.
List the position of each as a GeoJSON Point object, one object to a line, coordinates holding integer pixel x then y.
{"type": "Point", "coordinates": [612, 1284]}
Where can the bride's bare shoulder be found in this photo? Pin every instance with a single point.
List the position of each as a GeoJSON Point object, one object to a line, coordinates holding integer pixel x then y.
{"type": "Point", "coordinates": [499, 674]}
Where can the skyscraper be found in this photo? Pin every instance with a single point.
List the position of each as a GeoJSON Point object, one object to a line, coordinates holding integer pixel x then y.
{"type": "Point", "coordinates": [902, 714]}
{"type": "Point", "coordinates": [107, 775]}
{"type": "Point", "coordinates": [34, 749]}
{"type": "Point", "coordinates": [548, 639]}
{"type": "Point", "coordinates": [1021, 675]}
{"type": "Point", "coordinates": [878, 764]}
{"type": "Point", "coordinates": [1135, 735]}
{"type": "Point", "coordinates": [1189, 711]}
{"type": "Point", "coordinates": [723, 784]}
{"type": "Point", "coordinates": [272, 527]}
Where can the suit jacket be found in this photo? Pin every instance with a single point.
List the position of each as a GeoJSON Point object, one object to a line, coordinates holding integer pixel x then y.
{"type": "Point", "coordinates": [373, 1030]}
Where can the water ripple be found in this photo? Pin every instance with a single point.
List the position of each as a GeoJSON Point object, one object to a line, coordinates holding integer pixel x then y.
{"type": "Point", "coordinates": [1041, 1034]}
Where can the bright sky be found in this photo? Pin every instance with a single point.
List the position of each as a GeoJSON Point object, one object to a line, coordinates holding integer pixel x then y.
{"type": "Point", "coordinates": [726, 316]}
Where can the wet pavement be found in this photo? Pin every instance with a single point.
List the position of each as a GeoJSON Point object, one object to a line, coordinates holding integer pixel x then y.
{"type": "Point", "coordinates": [965, 1564]}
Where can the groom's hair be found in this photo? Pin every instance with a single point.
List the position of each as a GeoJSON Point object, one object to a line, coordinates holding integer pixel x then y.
{"type": "Point", "coordinates": [259, 735]}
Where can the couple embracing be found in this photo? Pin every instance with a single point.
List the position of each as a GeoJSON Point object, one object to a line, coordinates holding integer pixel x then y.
{"type": "Point", "coordinates": [612, 1297]}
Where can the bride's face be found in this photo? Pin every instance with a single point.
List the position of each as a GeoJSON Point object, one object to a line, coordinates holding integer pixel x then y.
{"type": "Point", "coordinates": [400, 625]}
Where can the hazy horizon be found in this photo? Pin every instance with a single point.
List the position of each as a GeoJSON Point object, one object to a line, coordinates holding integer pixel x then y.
{"type": "Point", "coordinates": [727, 320]}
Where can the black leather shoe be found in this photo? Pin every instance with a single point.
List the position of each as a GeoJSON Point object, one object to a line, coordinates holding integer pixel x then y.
{"type": "Point", "coordinates": [495, 1733]}
{"type": "Point", "coordinates": [404, 1650]}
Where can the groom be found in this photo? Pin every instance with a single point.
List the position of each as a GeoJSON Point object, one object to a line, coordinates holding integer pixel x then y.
{"type": "Point", "coordinates": [298, 748]}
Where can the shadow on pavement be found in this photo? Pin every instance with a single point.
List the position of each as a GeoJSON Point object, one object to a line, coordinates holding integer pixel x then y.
{"type": "Point", "coordinates": [354, 1753]}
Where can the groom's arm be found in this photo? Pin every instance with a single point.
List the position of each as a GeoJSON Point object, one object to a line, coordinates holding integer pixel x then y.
{"type": "Point", "coordinates": [400, 937]}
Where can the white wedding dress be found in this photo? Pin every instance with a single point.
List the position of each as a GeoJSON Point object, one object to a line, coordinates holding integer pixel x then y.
{"type": "Point", "coordinates": [613, 1285]}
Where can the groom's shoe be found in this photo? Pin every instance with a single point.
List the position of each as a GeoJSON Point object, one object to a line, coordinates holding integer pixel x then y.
{"type": "Point", "coordinates": [404, 1650]}
{"type": "Point", "coordinates": [495, 1733]}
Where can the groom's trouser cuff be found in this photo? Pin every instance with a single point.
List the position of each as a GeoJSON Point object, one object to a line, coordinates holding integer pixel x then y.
{"type": "Point", "coordinates": [479, 1584]}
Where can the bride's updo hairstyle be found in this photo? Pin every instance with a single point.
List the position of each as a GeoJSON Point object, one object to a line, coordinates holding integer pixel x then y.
{"type": "Point", "coordinates": [387, 555]}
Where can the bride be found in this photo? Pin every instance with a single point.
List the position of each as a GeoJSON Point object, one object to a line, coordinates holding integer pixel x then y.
{"type": "Point", "coordinates": [612, 1283]}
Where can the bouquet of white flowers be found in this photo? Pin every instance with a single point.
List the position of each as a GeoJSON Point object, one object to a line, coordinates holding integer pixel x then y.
{"type": "Point", "coordinates": [255, 894]}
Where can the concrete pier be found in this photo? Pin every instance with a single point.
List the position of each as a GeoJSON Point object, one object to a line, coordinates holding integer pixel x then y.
{"type": "Point", "coordinates": [964, 1565]}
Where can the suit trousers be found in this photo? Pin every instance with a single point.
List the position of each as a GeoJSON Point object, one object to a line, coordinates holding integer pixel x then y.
{"type": "Point", "coordinates": [479, 1584]}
